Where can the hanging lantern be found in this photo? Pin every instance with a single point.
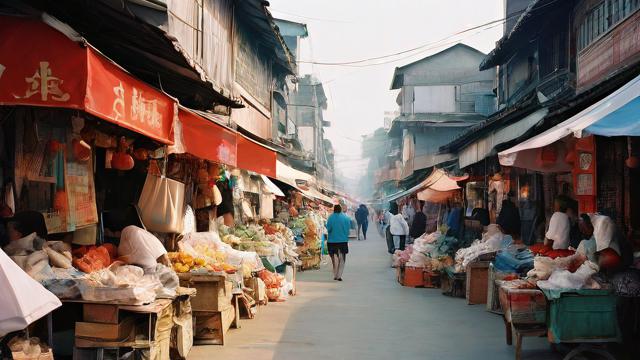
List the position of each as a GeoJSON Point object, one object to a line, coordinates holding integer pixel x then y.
{"type": "Point", "coordinates": [120, 159]}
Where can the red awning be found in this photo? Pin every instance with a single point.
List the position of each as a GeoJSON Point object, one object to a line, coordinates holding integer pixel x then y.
{"type": "Point", "coordinates": [40, 66]}
{"type": "Point", "coordinates": [256, 157]}
{"type": "Point", "coordinates": [207, 140]}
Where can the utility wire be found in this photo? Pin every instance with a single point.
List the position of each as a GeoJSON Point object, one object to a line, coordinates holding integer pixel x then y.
{"type": "Point", "coordinates": [488, 25]}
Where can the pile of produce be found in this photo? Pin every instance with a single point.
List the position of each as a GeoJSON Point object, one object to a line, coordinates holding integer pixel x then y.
{"type": "Point", "coordinates": [93, 258]}
{"type": "Point", "coordinates": [310, 234]}
{"type": "Point", "coordinates": [248, 238]}
{"type": "Point", "coordinates": [210, 253]}
{"type": "Point", "coordinates": [282, 236]}
{"type": "Point", "coordinates": [546, 250]}
{"type": "Point", "coordinates": [277, 287]}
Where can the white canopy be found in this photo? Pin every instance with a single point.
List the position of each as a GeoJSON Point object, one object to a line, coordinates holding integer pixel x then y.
{"type": "Point", "coordinates": [273, 188]}
{"type": "Point", "coordinates": [616, 115]}
{"type": "Point", "coordinates": [287, 174]}
{"type": "Point", "coordinates": [436, 187]}
{"type": "Point", "coordinates": [291, 176]}
{"type": "Point", "coordinates": [22, 299]}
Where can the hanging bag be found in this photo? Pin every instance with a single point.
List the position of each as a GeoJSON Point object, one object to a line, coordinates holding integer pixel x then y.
{"type": "Point", "coordinates": [162, 204]}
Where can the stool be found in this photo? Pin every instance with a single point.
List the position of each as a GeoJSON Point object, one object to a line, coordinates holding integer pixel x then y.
{"type": "Point", "coordinates": [521, 331]}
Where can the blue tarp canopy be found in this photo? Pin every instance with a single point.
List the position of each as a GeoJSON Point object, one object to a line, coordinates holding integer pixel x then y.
{"type": "Point", "coordinates": [616, 115]}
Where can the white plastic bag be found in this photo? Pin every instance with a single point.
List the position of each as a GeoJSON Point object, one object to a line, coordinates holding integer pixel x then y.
{"type": "Point", "coordinates": [140, 247]}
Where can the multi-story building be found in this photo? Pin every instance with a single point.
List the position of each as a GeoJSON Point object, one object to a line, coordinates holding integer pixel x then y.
{"type": "Point", "coordinates": [440, 96]}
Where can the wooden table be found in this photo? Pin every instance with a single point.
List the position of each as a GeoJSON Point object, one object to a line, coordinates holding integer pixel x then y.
{"type": "Point", "coordinates": [127, 321]}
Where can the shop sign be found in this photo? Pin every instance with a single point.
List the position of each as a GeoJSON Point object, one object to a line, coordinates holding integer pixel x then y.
{"type": "Point", "coordinates": [40, 66]}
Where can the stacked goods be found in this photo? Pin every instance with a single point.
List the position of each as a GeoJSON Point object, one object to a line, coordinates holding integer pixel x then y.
{"type": "Point", "coordinates": [217, 255]}
{"type": "Point", "coordinates": [492, 241]}
{"type": "Point", "coordinates": [274, 241]}
{"type": "Point", "coordinates": [283, 237]}
{"type": "Point", "coordinates": [183, 262]}
{"type": "Point", "coordinates": [277, 288]}
{"type": "Point", "coordinates": [309, 227]}
{"type": "Point", "coordinates": [430, 251]}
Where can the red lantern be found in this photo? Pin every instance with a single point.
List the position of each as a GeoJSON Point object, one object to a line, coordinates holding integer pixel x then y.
{"type": "Point", "coordinates": [632, 162]}
{"type": "Point", "coordinates": [120, 159]}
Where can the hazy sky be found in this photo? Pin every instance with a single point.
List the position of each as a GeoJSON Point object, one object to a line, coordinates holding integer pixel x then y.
{"type": "Point", "coordinates": [349, 30]}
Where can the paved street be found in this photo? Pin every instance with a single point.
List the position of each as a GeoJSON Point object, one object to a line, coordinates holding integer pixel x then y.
{"type": "Point", "coordinates": [369, 316]}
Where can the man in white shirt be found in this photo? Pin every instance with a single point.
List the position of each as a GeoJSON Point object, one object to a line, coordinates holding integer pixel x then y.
{"type": "Point", "coordinates": [559, 226]}
{"type": "Point", "coordinates": [398, 228]}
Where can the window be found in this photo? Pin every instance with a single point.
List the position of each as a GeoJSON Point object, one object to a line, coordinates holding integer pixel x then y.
{"type": "Point", "coordinates": [198, 25]}
{"type": "Point", "coordinates": [602, 17]}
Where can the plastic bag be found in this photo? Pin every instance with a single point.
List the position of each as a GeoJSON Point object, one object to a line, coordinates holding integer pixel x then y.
{"type": "Point", "coordinates": [140, 247]}
{"type": "Point", "coordinates": [564, 279]}
{"type": "Point", "coordinates": [161, 204]}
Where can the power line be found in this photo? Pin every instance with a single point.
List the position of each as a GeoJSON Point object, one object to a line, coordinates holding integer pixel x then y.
{"type": "Point", "coordinates": [488, 25]}
{"type": "Point", "coordinates": [399, 52]}
{"type": "Point", "coordinates": [309, 18]}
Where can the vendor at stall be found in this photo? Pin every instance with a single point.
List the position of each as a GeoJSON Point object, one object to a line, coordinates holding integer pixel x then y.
{"type": "Point", "coordinates": [25, 223]}
{"type": "Point", "coordinates": [509, 217]}
{"type": "Point", "coordinates": [557, 236]}
{"type": "Point", "coordinates": [587, 245]}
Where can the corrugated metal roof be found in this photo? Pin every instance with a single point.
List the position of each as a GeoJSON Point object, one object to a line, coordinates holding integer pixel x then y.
{"type": "Point", "coordinates": [259, 17]}
{"type": "Point", "coordinates": [504, 44]}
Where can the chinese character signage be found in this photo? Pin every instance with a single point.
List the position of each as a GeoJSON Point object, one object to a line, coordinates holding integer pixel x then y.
{"type": "Point", "coordinates": [40, 66]}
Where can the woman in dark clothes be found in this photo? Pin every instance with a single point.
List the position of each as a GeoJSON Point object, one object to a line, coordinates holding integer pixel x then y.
{"type": "Point", "coordinates": [419, 224]}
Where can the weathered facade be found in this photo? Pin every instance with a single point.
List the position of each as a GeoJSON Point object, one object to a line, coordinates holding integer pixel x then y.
{"type": "Point", "coordinates": [440, 96]}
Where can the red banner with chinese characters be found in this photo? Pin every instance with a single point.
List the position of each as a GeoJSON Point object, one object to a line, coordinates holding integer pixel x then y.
{"type": "Point", "coordinates": [207, 140]}
{"type": "Point", "coordinates": [40, 66]}
{"type": "Point", "coordinates": [255, 157]}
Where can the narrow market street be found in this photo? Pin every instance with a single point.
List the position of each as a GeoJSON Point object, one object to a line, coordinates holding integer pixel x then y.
{"type": "Point", "coordinates": [369, 316]}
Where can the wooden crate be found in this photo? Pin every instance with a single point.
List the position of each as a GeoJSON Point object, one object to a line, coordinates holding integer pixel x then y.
{"type": "Point", "coordinates": [431, 279]}
{"type": "Point", "coordinates": [214, 292]}
{"type": "Point", "coordinates": [453, 284]}
{"type": "Point", "coordinates": [476, 283]}
{"type": "Point", "coordinates": [211, 327]}
{"type": "Point", "coordinates": [107, 332]}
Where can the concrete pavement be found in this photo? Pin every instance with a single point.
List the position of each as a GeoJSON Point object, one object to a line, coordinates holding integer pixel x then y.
{"type": "Point", "coordinates": [369, 316]}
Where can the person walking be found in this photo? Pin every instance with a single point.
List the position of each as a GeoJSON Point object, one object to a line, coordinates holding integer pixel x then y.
{"type": "Point", "coordinates": [362, 218]}
{"type": "Point", "coordinates": [338, 226]}
{"type": "Point", "coordinates": [398, 228]}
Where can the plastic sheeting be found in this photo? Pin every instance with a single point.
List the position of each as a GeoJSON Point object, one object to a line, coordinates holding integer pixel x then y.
{"type": "Point", "coordinates": [22, 299]}
{"type": "Point", "coordinates": [616, 115]}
